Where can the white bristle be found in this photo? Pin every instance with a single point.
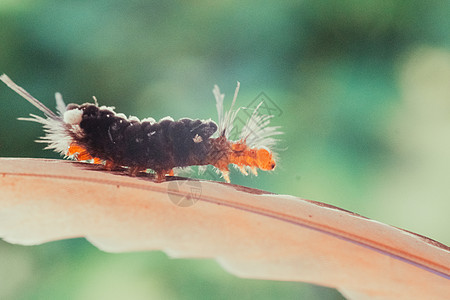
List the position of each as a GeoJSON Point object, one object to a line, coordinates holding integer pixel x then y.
{"type": "Point", "coordinates": [73, 116]}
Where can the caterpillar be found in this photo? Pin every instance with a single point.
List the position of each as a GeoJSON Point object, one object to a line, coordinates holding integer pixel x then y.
{"type": "Point", "coordinates": [89, 132]}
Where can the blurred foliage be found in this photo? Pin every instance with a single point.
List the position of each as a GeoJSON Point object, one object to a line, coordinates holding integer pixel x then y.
{"type": "Point", "coordinates": [362, 88]}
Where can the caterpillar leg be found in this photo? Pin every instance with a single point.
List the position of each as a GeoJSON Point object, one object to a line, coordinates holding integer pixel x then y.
{"type": "Point", "coordinates": [226, 175]}
{"type": "Point", "coordinates": [110, 165]}
{"type": "Point", "coordinates": [222, 166]}
{"type": "Point", "coordinates": [243, 171]}
{"type": "Point", "coordinates": [161, 175]}
{"type": "Point", "coordinates": [133, 171]}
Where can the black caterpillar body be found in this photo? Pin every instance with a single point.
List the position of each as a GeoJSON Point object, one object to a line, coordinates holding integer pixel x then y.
{"type": "Point", "coordinates": [159, 145]}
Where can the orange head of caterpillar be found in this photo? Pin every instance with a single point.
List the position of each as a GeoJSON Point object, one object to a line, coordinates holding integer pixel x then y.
{"type": "Point", "coordinates": [244, 156]}
{"type": "Point", "coordinates": [265, 160]}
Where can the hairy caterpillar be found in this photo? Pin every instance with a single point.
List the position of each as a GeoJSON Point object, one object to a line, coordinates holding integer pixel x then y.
{"type": "Point", "coordinates": [92, 132]}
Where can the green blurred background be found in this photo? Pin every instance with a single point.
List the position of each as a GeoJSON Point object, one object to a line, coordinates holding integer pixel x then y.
{"type": "Point", "coordinates": [362, 87]}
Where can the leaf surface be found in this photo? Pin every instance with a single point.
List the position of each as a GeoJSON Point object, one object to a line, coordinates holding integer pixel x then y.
{"type": "Point", "coordinates": [251, 233]}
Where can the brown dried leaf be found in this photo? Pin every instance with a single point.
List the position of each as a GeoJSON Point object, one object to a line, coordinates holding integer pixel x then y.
{"type": "Point", "coordinates": [251, 233]}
